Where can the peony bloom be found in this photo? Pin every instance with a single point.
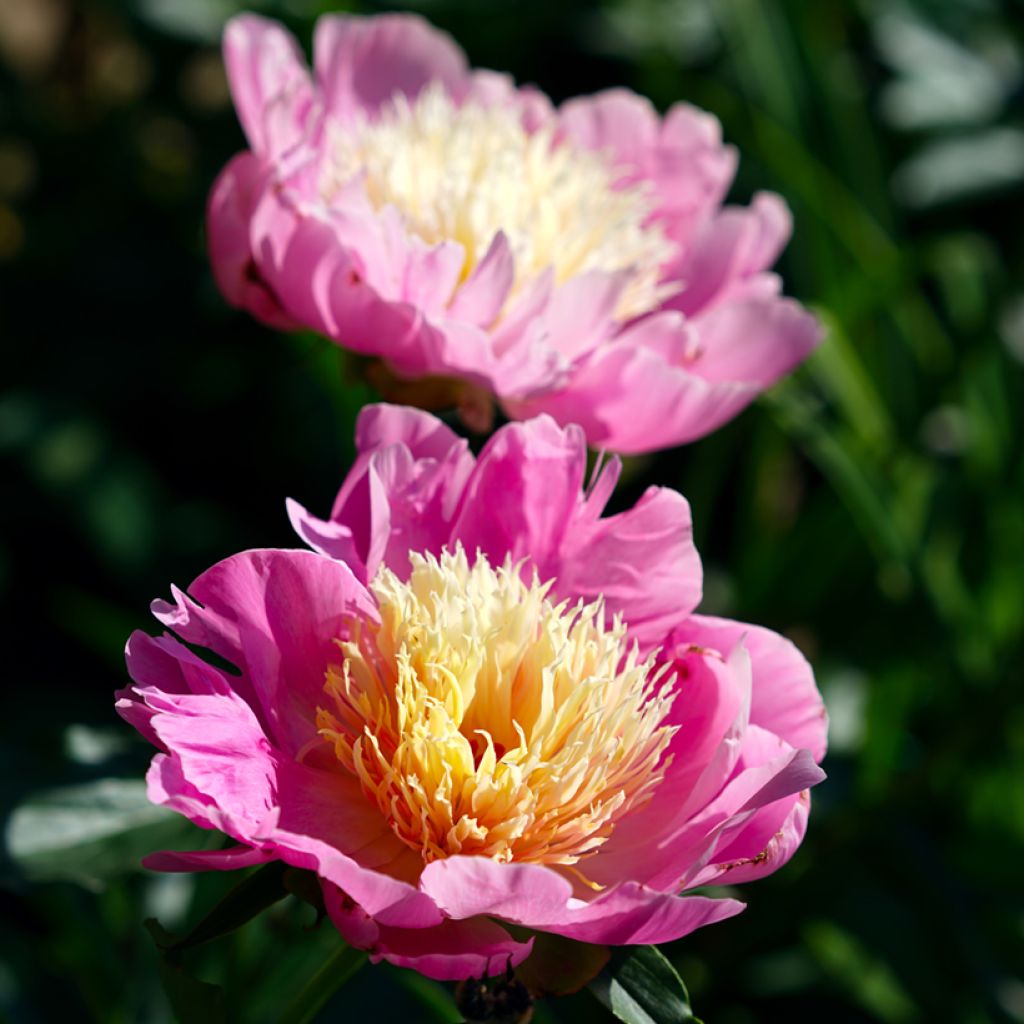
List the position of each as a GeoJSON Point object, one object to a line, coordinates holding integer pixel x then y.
{"type": "Point", "coordinates": [477, 701]}
{"type": "Point", "coordinates": [573, 260]}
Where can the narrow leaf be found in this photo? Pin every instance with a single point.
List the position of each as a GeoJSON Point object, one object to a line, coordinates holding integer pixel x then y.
{"type": "Point", "coordinates": [250, 897]}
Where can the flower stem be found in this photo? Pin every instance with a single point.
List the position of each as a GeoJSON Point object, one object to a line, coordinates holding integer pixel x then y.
{"type": "Point", "coordinates": [332, 974]}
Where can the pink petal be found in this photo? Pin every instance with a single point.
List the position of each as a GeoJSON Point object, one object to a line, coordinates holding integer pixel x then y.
{"type": "Point", "coordinates": [400, 495]}
{"type": "Point", "coordinates": [754, 341]}
{"type": "Point", "coordinates": [480, 298]}
{"type": "Point", "coordinates": [528, 477]}
{"type": "Point", "coordinates": [232, 201]}
{"type": "Point", "coordinates": [734, 245]}
{"type": "Point", "coordinates": [643, 561]}
{"type": "Point", "coordinates": [628, 399]}
{"type": "Point", "coordinates": [361, 63]}
{"type": "Point", "coordinates": [270, 85]}
{"type": "Point", "coordinates": [450, 951]}
{"type": "Point", "coordinates": [785, 698]}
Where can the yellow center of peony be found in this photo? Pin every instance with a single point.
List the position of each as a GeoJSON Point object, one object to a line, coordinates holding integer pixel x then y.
{"type": "Point", "coordinates": [482, 718]}
{"type": "Point", "coordinates": [463, 173]}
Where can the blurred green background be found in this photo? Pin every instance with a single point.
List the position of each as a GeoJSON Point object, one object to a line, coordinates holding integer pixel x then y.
{"type": "Point", "coordinates": [872, 507]}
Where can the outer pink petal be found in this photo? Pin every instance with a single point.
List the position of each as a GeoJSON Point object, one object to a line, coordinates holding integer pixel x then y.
{"type": "Point", "coordinates": [755, 854]}
{"type": "Point", "coordinates": [755, 341]}
{"type": "Point", "coordinates": [786, 700]}
{"type": "Point", "coordinates": [711, 712]}
{"type": "Point", "coordinates": [628, 399]}
{"type": "Point", "coordinates": [682, 155]}
{"type": "Point", "coordinates": [232, 201]}
{"type": "Point", "coordinates": [450, 951]}
{"type": "Point", "coordinates": [734, 245]}
{"type": "Point", "coordinates": [220, 770]}
{"type": "Point", "coordinates": [162, 664]}
{"type": "Point", "coordinates": [275, 615]}
{"type": "Point", "coordinates": [361, 62]}
{"type": "Point", "coordinates": [683, 854]}
{"type": "Point", "coordinates": [538, 897]}
{"type": "Point", "coordinates": [270, 85]}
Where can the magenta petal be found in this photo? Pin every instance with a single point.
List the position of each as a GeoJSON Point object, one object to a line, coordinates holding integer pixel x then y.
{"type": "Point", "coordinates": [275, 615]}
{"type": "Point", "coordinates": [528, 477]}
{"type": "Point", "coordinates": [643, 561]}
{"type": "Point", "coordinates": [785, 698]}
{"type": "Point", "coordinates": [362, 62]}
{"type": "Point", "coordinates": [538, 897]}
{"type": "Point", "coordinates": [450, 951]}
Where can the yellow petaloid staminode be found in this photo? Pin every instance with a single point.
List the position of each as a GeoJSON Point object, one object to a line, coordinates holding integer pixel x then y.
{"type": "Point", "coordinates": [483, 718]}
{"type": "Point", "coordinates": [464, 172]}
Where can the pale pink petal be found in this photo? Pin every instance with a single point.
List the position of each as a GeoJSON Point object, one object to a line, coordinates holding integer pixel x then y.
{"type": "Point", "coordinates": [736, 244]}
{"type": "Point", "coordinates": [755, 341]}
{"type": "Point", "coordinates": [480, 298]}
{"type": "Point", "coordinates": [270, 85]}
{"type": "Point", "coordinates": [361, 63]}
{"type": "Point", "coordinates": [678, 405]}
{"type": "Point", "coordinates": [233, 199]}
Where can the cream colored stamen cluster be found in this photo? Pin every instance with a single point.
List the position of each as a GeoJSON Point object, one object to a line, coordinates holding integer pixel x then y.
{"type": "Point", "coordinates": [464, 172]}
{"type": "Point", "coordinates": [482, 718]}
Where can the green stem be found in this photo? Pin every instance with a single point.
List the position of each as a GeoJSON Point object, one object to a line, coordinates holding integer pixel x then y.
{"type": "Point", "coordinates": [337, 969]}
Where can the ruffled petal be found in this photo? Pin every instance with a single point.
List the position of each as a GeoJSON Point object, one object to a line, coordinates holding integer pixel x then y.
{"type": "Point", "coordinates": [275, 615]}
{"type": "Point", "coordinates": [642, 561]}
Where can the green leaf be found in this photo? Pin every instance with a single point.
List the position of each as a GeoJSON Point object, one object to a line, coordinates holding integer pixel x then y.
{"type": "Point", "coordinates": [193, 1001]}
{"type": "Point", "coordinates": [640, 986]}
{"type": "Point", "coordinates": [91, 832]}
{"type": "Point", "coordinates": [250, 897]}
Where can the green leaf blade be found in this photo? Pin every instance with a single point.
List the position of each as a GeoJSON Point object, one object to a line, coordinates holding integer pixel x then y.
{"type": "Point", "coordinates": [640, 986]}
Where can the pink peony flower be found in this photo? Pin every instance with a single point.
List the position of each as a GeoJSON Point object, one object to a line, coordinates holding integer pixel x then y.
{"type": "Point", "coordinates": [573, 260]}
{"type": "Point", "coordinates": [477, 701]}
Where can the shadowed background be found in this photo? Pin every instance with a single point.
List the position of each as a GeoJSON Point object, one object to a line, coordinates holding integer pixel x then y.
{"type": "Point", "coordinates": [871, 507]}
